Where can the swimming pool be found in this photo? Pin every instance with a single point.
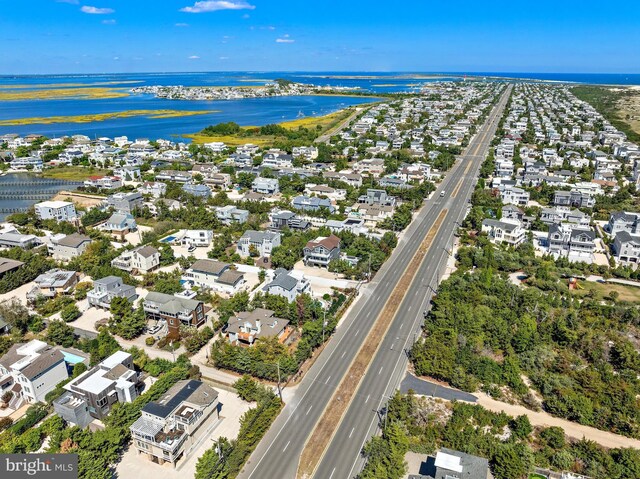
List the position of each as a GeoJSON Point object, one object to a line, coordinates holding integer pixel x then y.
{"type": "Point", "coordinates": [168, 239]}
{"type": "Point", "coordinates": [71, 358]}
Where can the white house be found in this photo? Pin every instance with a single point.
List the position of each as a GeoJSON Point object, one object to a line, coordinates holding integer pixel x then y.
{"type": "Point", "coordinates": [262, 241]}
{"type": "Point", "coordinates": [505, 231]}
{"type": "Point", "coordinates": [287, 285]}
{"type": "Point", "coordinates": [56, 210]}
{"type": "Point", "coordinates": [141, 259]}
{"type": "Point", "coordinates": [214, 275]}
{"type": "Point", "coordinates": [32, 369]}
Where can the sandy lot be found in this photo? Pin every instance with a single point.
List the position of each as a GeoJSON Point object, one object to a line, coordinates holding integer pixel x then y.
{"type": "Point", "coordinates": [134, 465]}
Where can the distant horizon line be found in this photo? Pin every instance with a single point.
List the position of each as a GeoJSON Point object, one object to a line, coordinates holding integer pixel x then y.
{"type": "Point", "coordinates": [415, 72]}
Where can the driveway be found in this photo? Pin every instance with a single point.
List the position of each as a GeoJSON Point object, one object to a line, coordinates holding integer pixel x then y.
{"type": "Point", "coordinates": [429, 388]}
{"type": "Point", "coordinates": [232, 409]}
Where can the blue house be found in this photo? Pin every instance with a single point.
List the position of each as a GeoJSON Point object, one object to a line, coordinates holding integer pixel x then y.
{"type": "Point", "coordinates": [312, 203]}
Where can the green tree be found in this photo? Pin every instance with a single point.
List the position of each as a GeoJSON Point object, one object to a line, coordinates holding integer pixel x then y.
{"type": "Point", "coordinates": [58, 332]}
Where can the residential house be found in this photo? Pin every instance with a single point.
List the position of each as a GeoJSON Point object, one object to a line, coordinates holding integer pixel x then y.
{"type": "Point", "coordinates": [31, 370]}
{"type": "Point", "coordinates": [262, 241]}
{"type": "Point", "coordinates": [165, 430]}
{"type": "Point", "coordinates": [56, 210]}
{"type": "Point", "coordinates": [53, 283]}
{"type": "Point", "coordinates": [265, 186]}
{"type": "Point", "coordinates": [514, 196]}
{"type": "Point", "coordinates": [371, 166]}
{"type": "Point", "coordinates": [352, 179]}
{"type": "Point", "coordinates": [512, 212]}
{"type": "Point", "coordinates": [11, 238]}
{"type": "Point", "coordinates": [247, 327]}
{"type": "Point", "coordinates": [140, 260]}
{"type": "Point", "coordinates": [153, 188]}
{"type": "Point", "coordinates": [286, 219]}
{"type": "Point", "coordinates": [92, 394]}
{"type": "Point", "coordinates": [312, 203]}
{"type": "Point", "coordinates": [322, 250]}
{"type": "Point", "coordinates": [104, 182]}
{"type": "Point", "coordinates": [199, 238]}
{"type": "Point", "coordinates": [202, 191]}
{"type": "Point", "coordinates": [107, 288]}
{"type": "Point", "coordinates": [574, 242]}
{"type": "Point", "coordinates": [576, 199]}
{"type": "Point", "coordinates": [174, 310]}
{"type": "Point", "coordinates": [9, 265]}
{"type": "Point", "coordinates": [377, 197]}
{"type": "Point", "coordinates": [626, 249]}
{"type": "Point", "coordinates": [371, 214]}
{"type": "Point", "coordinates": [505, 231]}
{"type": "Point", "coordinates": [174, 175]}
{"type": "Point", "coordinates": [125, 202]}
{"type": "Point", "coordinates": [214, 275]}
{"type": "Point", "coordinates": [230, 214]}
{"type": "Point", "coordinates": [68, 247]}
{"type": "Point", "coordinates": [450, 464]}
{"type": "Point", "coordinates": [219, 181]}
{"type": "Point", "coordinates": [119, 225]}
{"type": "Point", "coordinates": [623, 221]}
{"type": "Point", "coordinates": [287, 285]}
{"type": "Point", "coordinates": [325, 191]}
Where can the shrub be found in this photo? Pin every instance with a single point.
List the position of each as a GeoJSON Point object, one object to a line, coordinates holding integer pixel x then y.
{"type": "Point", "coordinates": [150, 341]}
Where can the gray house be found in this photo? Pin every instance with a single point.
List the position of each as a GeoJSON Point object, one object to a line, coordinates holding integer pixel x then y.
{"type": "Point", "coordinates": [263, 241]}
{"type": "Point", "coordinates": [125, 202]}
{"type": "Point", "coordinates": [312, 203]}
{"type": "Point", "coordinates": [91, 395]}
{"type": "Point", "coordinates": [105, 289]}
{"type": "Point", "coordinates": [321, 251]}
{"type": "Point", "coordinates": [286, 285]}
{"type": "Point", "coordinates": [266, 186]}
{"type": "Point", "coordinates": [626, 249]}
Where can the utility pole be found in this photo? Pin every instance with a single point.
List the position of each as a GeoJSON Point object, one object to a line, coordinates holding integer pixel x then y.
{"type": "Point", "coordinates": [324, 323]}
{"type": "Point", "coordinates": [369, 277]}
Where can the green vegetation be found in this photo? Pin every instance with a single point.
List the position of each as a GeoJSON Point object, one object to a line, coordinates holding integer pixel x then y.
{"type": "Point", "coordinates": [226, 459]}
{"type": "Point", "coordinates": [424, 426]}
{"type": "Point", "coordinates": [606, 100]}
{"type": "Point", "coordinates": [35, 263]}
{"type": "Point", "coordinates": [73, 173]}
{"type": "Point", "coordinates": [576, 349]}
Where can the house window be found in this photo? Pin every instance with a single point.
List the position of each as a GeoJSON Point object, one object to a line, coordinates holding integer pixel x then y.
{"type": "Point", "coordinates": [102, 402]}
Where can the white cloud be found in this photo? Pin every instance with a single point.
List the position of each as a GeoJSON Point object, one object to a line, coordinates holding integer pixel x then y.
{"type": "Point", "coordinates": [246, 15]}
{"type": "Point", "coordinates": [215, 5]}
{"type": "Point", "coordinates": [285, 39]}
{"type": "Point", "coordinates": [96, 10]}
{"type": "Point", "coordinates": [182, 25]}
{"type": "Point", "coordinates": [72, 2]}
{"type": "Point", "coordinates": [194, 57]}
{"type": "Point", "coordinates": [109, 22]}
{"type": "Point", "coordinates": [116, 58]}
{"type": "Point", "coordinates": [223, 58]}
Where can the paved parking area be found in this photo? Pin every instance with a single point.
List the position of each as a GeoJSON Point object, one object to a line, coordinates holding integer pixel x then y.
{"type": "Point", "coordinates": [133, 465]}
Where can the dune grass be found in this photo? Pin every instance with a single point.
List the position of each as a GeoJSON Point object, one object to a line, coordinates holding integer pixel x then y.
{"type": "Point", "coordinates": [89, 93]}
{"type": "Point", "coordinates": [73, 173]}
{"type": "Point", "coordinates": [153, 114]}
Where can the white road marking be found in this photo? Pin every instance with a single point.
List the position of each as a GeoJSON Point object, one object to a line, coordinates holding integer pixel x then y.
{"type": "Point", "coordinates": [332, 472]}
{"type": "Point", "coordinates": [357, 332]}
{"type": "Point", "coordinates": [381, 367]}
{"type": "Point", "coordinates": [285, 447]}
{"type": "Point", "coordinates": [367, 400]}
{"type": "Point", "coordinates": [343, 354]}
{"type": "Point", "coordinates": [352, 429]}
{"type": "Point", "coordinates": [309, 410]}
{"type": "Point", "coordinates": [327, 381]}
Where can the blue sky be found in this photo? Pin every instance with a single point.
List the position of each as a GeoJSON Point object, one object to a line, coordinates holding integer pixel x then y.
{"type": "Point", "coordinates": [63, 36]}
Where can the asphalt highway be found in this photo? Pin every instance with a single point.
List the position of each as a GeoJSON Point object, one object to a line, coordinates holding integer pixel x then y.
{"type": "Point", "coordinates": [276, 457]}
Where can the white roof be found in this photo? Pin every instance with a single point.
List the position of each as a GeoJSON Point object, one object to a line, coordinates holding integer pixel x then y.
{"type": "Point", "coordinates": [448, 461]}
{"type": "Point", "coordinates": [116, 358]}
{"type": "Point", "coordinates": [96, 383]}
{"type": "Point", "coordinates": [54, 204]}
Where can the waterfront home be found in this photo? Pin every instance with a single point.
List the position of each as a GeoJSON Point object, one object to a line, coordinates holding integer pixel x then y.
{"type": "Point", "coordinates": [321, 251]}
{"type": "Point", "coordinates": [104, 182]}
{"type": "Point", "coordinates": [246, 327]}
{"type": "Point", "coordinates": [214, 275]}
{"type": "Point", "coordinates": [53, 283]}
{"type": "Point", "coordinates": [105, 289]}
{"type": "Point", "coordinates": [174, 310]}
{"type": "Point", "coordinates": [260, 242]}
{"type": "Point", "coordinates": [32, 163]}
{"type": "Point", "coordinates": [31, 370]}
{"type": "Point", "coordinates": [56, 210]}
{"type": "Point", "coordinates": [125, 202]}
{"type": "Point", "coordinates": [92, 394]}
{"type": "Point", "coordinates": [68, 247]}
{"type": "Point", "coordinates": [165, 430]}
{"type": "Point", "coordinates": [140, 260]}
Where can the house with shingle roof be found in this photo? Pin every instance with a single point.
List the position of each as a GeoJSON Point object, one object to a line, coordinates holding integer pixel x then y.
{"type": "Point", "coordinates": [141, 260]}
{"type": "Point", "coordinates": [68, 247]}
{"type": "Point", "coordinates": [262, 241]}
{"type": "Point", "coordinates": [287, 285]}
{"type": "Point", "coordinates": [31, 370]}
{"type": "Point", "coordinates": [322, 250]}
{"type": "Point", "coordinates": [248, 326]}
{"type": "Point", "coordinates": [214, 275]}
